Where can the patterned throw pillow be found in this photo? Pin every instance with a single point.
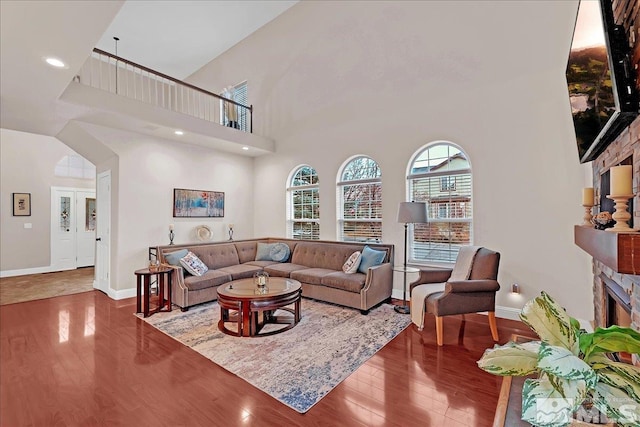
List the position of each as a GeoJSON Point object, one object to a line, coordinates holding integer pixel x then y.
{"type": "Point", "coordinates": [351, 265]}
{"type": "Point", "coordinates": [193, 264]}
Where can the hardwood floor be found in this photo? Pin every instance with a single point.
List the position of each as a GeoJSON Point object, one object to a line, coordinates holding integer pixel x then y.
{"type": "Point", "coordinates": [85, 359]}
{"type": "Point", "coordinates": [45, 285]}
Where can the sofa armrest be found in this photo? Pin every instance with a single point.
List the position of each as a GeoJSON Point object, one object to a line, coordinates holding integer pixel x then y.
{"type": "Point", "coordinates": [377, 286]}
{"type": "Point", "coordinates": [179, 291]}
{"type": "Point", "coordinates": [466, 286]}
{"type": "Point", "coordinates": [432, 275]}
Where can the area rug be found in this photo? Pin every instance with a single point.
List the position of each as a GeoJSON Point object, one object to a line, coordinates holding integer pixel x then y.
{"type": "Point", "coordinates": [300, 366]}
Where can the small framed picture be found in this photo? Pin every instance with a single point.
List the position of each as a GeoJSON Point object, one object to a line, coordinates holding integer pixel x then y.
{"type": "Point", "coordinates": [21, 204]}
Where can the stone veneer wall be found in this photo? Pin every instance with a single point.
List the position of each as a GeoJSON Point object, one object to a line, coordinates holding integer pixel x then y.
{"type": "Point", "coordinates": [627, 144]}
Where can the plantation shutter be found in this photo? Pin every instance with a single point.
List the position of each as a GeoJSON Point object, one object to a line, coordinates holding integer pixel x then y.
{"type": "Point", "coordinates": [240, 95]}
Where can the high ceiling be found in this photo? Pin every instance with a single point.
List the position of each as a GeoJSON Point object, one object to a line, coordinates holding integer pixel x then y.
{"type": "Point", "coordinates": [174, 37]}
{"type": "Point", "coordinates": [178, 37]}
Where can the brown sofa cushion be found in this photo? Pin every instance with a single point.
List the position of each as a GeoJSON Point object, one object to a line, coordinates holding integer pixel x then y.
{"type": "Point", "coordinates": [207, 280]}
{"type": "Point", "coordinates": [312, 276]}
{"type": "Point", "coordinates": [246, 251]}
{"type": "Point", "coordinates": [217, 256]}
{"type": "Point", "coordinates": [241, 271]}
{"type": "Point", "coordinates": [283, 269]}
{"type": "Point", "coordinates": [348, 282]}
{"type": "Point", "coordinates": [323, 255]}
{"type": "Point", "coordinates": [261, 264]}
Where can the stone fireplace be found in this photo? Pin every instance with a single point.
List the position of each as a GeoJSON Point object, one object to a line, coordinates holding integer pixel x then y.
{"type": "Point", "coordinates": [616, 259]}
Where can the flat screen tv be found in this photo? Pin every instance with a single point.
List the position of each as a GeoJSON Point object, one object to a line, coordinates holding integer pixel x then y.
{"type": "Point", "coordinates": [601, 73]}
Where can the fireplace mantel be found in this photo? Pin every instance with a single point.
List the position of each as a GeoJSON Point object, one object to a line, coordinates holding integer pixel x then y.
{"type": "Point", "coordinates": [619, 251]}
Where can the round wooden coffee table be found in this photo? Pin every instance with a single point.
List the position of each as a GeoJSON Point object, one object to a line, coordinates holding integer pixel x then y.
{"type": "Point", "coordinates": [251, 309]}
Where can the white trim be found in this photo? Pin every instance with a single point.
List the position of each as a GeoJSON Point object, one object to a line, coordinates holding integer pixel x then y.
{"type": "Point", "coordinates": [25, 271]}
{"type": "Point", "coordinates": [508, 312]}
{"type": "Point", "coordinates": [122, 293]}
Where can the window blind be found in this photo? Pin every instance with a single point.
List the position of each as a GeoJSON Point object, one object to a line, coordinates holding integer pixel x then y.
{"type": "Point", "coordinates": [304, 205]}
{"type": "Point", "coordinates": [442, 178]}
{"type": "Point", "coordinates": [360, 197]}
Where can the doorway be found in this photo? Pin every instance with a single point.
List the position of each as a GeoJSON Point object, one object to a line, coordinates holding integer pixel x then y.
{"type": "Point", "coordinates": [73, 228]}
{"type": "Point", "coordinates": [103, 237]}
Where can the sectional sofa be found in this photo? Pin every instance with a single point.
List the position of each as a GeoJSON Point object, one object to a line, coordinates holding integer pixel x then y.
{"type": "Point", "coordinates": [317, 265]}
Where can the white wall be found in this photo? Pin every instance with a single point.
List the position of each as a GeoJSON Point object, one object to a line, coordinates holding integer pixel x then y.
{"type": "Point", "coordinates": [329, 80]}
{"type": "Point", "coordinates": [27, 164]}
{"type": "Point", "coordinates": [148, 169]}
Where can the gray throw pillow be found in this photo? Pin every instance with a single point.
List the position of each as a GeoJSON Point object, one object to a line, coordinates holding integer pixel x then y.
{"type": "Point", "coordinates": [370, 258]}
{"type": "Point", "coordinates": [263, 253]}
{"type": "Point", "coordinates": [173, 258]}
{"type": "Point", "coordinates": [279, 252]}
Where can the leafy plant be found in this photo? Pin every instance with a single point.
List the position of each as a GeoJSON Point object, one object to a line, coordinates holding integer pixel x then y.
{"type": "Point", "coordinates": [571, 367]}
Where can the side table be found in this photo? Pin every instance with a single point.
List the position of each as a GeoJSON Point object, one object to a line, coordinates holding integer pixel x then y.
{"type": "Point", "coordinates": [162, 276]}
{"type": "Point", "coordinates": [404, 308]}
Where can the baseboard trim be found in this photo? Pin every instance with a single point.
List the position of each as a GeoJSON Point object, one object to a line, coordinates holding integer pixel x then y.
{"type": "Point", "coordinates": [508, 312]}
{"type": "Point", "coordinates": [122, 294]}
{"type": "Point", "coordinates": [25, 271]}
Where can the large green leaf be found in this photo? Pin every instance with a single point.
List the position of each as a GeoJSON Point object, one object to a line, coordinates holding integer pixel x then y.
{"type": "Point", "coordinates": [551, 322]}
{"type": "Point", "coordinates": [562, 363]}
{"type": "Point", "coordinates": [543, 405]}
{"type": "Point", "coordinates": [599, 362]}
{"type": "Point", "coordinates": [511, 359]}
{"type": "Point", "coordinates": [610, 340]}
{"type": "Point", "coordinates": [614, 379]}
{"type": "Point", "coordinates": [617, 405]}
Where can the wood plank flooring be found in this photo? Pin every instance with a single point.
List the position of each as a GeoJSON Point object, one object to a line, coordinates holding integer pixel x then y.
{"type": "Point", "coordinates": [86, 360]}
{"type": "Point", "coordinates": [45, 285]}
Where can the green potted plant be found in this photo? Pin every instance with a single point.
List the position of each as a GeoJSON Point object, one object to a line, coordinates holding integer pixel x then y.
{"type": "Point", "coordinates": [571, 366]}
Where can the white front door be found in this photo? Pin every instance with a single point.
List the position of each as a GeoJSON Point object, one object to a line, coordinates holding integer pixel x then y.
{"type": "Point", "coordinates": [103, 232]}
{"type": "Point", "coordinates": [63, 229]}
{"type": "Point", "coordinates": [86, 228]}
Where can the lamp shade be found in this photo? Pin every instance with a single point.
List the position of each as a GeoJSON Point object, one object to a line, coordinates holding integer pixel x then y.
{"type": "Point", "coordinates": [412, 212]}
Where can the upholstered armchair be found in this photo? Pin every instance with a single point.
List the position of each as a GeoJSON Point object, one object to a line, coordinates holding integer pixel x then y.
{"type": "Point", "coordinates": [476, 294]}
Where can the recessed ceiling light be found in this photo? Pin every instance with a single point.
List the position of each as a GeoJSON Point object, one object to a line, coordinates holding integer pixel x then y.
{"type": "Point", "coordinates": [245, 148]}
{"type": "Point", "coordinates": [179, 132]}
{"type": "Point", "coordinates": [55, 62]}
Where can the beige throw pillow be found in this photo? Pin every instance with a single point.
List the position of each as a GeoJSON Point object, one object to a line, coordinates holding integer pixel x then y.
{"type": "Point", "coordinates": [353, 262]}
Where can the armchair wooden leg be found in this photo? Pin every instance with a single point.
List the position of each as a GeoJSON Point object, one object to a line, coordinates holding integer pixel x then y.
{"type": "Point", "coordinates": [439, 330]}
{"type": "Point", "coordinates": [493, 325]}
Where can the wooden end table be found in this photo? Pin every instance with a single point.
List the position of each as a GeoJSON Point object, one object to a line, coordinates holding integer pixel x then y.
{"type": "Point", "coordinates": [162, 276]}
{"type": "Point", "coordinates": [241, 303]}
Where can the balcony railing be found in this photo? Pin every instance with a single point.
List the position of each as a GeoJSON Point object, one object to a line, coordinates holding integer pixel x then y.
{"type": "Point", "coordinates": [114, 74]}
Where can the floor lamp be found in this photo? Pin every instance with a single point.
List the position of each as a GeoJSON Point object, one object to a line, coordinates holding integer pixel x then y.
{"type": "Point", "coordinates": [409, 213]}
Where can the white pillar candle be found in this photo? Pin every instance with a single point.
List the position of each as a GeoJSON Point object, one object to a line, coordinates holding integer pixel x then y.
{"type": "Point", "coordinates": [230, 226]}
{"type": "Point", "coordinates": [621, 182]}
{"type": "Point", "coordinates": [170, 227]}
{"type": "Point", "coordinates": [587, 196]}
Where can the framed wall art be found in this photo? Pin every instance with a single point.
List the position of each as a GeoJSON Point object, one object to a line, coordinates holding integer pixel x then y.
{"type": "Point", "coordinates": [197, 203]}
{"type": "Point", "coordinates": [21, 204]}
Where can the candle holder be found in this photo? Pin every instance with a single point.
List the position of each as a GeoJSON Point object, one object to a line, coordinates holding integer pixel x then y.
{"type": "Point", "coordinates": [587, 216]}
{"type": "Point", "coordinates": [171, 236]}
{"type": "Point", "coordinates": [230, 233]}
{"type": "Point", "coordinates": [621, 215]}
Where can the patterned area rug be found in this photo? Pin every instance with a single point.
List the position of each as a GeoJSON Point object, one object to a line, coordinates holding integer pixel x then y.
{"type": "Point", "coordinates": [299, 366]}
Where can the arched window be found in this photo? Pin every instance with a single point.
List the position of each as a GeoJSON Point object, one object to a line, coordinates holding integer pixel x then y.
{"type": "Point", "coordinates": [75, 166]}
{"type": "Point", "coordinates": [303, 210]}
{"type": "Point", "coordinates": [440, 174]}
{"type": "Point", "coordinates": [360, 201]}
